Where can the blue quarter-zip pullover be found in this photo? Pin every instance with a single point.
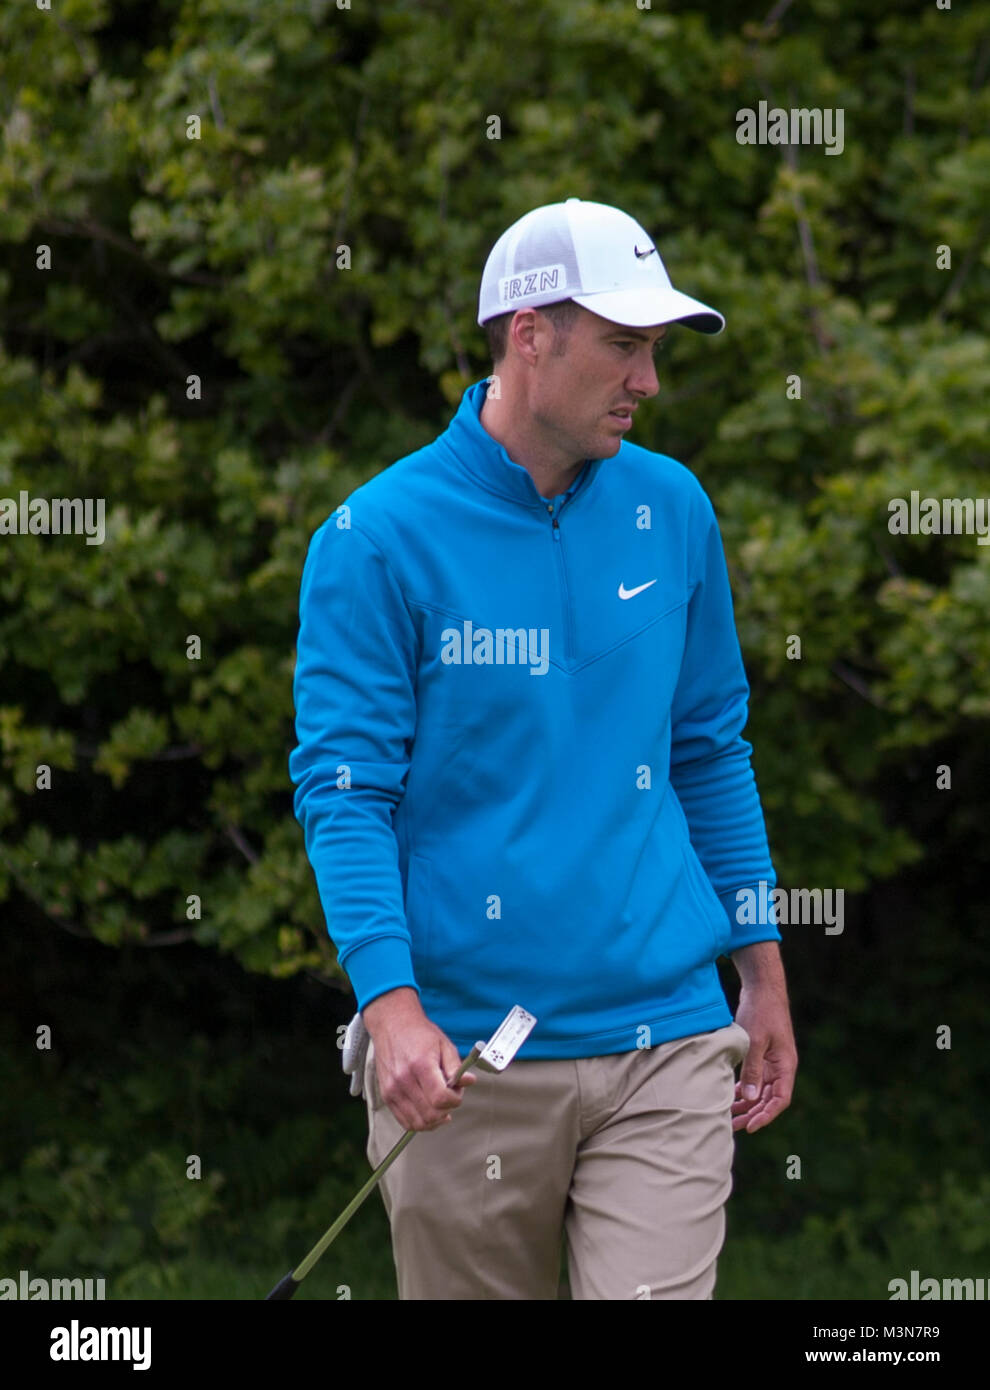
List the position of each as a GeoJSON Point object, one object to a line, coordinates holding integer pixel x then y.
{"type": "Point", "coordinates": [520, 768]}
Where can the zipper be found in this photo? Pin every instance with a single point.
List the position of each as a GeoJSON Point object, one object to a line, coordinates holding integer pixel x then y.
{"type": "Point", "coordinates": [565, 596]}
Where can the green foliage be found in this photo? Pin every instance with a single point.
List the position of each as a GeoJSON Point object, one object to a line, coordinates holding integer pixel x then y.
{"type": "Point", "coordinates": [200, 357]}
{"type": "Point", "coordinates": [278, 1165]}
{"type": "Point", "coordinates": [943, 1237]}
{"type": "Point", "coordinates": [218, 257]}
{"type": "Point", "coordinates": [114, 1200]}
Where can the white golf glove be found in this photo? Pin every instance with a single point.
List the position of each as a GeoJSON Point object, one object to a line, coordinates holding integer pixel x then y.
{"type": "Point", "coordinates": [355, 1051]}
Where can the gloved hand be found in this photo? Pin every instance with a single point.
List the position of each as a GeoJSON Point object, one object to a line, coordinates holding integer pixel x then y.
{"type": "Point", "coordinates": [355, 1051]}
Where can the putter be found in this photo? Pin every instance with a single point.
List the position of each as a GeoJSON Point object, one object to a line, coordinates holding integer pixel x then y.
{"type": "Point", "coordinates": [493, 1056]}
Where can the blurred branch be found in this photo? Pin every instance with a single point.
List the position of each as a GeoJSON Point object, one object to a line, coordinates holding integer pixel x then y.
{"type": "Point", "coordinates": [89, 66]}
{"type": "Point", "coordinates": [340, 230]}
{"type": "Point", "coordinates": [175, 754]}
{"type": "Point", "coordinates": [181, 750]}
{"type": "Point", "coordinates": [805, 237]}
{"type": "Point", "coordinates": [215, 107]}
{"type": "Point", "coordinates": [165, 938]}
{"type": "Point", "coordinates": [236, 836]}
{"type": "Point", "coordinates": [778, 12]}
{"type": "Point", "coordinates": [460, 357]}
{"type": "Point", "coordinates": [909, 99]}
{"type": "Point", "coordinates": [968, 261]}
{"type": "Point", "coordinates": [677, 396]}
{"type": "Point", "coordinates": [82, 350]}
{"type": "Point", "coordinates": [979, 76]}
{"type": "Point", "coordinates": [146, 333]}
{"type": "Point", "coordinates": [893, 567]}
{"type": "Point", "coordinates": [374, 377]}
{"type": "Point", "coordinates": [66, 924]}
{"type": "Point", "coordinates": [982, 65]}
{"type": "Point", "coordinates": [95, 231]}
{"type": "Point", "coordinates": [339, 410]}
{"type": "Point", "coordinates": [855, 682]}
{"type": "Point", "coordinates": [329, 982]}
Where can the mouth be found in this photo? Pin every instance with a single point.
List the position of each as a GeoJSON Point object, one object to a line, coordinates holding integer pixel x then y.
{"type": "Point", "coordinates": [623, 415]}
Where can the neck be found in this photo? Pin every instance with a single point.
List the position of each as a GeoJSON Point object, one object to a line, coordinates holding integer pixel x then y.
{"type": "Point", "coordinates": [509, 424]}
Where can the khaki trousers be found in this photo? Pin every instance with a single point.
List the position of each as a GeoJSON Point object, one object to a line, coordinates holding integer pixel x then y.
{"type": "Point", "coordinates": [628, 1157]}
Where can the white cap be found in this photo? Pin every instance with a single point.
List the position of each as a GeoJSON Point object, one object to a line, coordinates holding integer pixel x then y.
{"type": "Point", "coordinates": [594, 254]}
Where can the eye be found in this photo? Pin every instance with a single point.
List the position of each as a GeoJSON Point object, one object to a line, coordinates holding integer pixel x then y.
{"type": "Point", "coordinates": [626, 345]}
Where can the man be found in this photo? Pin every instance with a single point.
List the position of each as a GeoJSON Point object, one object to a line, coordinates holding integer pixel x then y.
{"type": "Point", "coordinates": [522, 780]}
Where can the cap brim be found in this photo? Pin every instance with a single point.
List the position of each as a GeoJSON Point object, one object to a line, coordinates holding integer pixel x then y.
{"type": "Point", "coordinates": [647, 307]}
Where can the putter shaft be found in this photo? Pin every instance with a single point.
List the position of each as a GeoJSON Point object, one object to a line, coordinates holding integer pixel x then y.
{"type": "Point", "coordinates": [327, 1239]}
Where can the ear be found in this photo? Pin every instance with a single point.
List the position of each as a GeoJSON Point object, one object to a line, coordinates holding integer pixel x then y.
{"type": "Point", "coordinates": [530, 334]}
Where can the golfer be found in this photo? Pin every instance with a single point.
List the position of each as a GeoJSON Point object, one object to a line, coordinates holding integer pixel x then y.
{"type": "Point", "coordinates": [522, 779]}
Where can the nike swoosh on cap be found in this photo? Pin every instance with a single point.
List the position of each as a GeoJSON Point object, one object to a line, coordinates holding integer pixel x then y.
{"type": "Point", "coordinates": [631, 593]}
{"type": "Point", "coordinates": [643, 254]}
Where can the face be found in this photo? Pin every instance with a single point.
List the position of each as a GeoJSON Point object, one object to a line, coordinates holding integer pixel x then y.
{"type": "Point", "coordinates": [586, 399]}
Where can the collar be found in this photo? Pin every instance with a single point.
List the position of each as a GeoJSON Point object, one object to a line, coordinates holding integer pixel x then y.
{"type": "Point", "coordinates": [487, 461]}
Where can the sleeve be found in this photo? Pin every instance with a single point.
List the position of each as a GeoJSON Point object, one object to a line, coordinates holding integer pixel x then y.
{"type": "Point", "coordinates": [710, 767]}
{"type": "Point", "coordinates": [354, 692]}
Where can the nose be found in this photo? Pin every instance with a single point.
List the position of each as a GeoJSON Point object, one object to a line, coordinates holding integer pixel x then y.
{"type": "Point", "coordinates": [643, 380]}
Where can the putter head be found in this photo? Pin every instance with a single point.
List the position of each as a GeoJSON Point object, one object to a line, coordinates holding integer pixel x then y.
{"type": "Point", "coordinates": [505, 1042]}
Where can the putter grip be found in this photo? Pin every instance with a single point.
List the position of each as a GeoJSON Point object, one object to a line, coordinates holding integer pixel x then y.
{"type": "Point", "coordinates": [283, 1290]}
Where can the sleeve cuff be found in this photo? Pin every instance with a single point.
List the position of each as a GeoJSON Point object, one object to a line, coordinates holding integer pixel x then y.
{"type": "Point", "coordinates": [751, 913]}
{"type": "Point", "coordinates": [381, 965]}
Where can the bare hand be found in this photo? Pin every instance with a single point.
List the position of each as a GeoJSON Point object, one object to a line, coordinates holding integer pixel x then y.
{"type": "Point", "coordinates": [413, 1060]}
{"type": "Point", "coordinates": [771, 1062]}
